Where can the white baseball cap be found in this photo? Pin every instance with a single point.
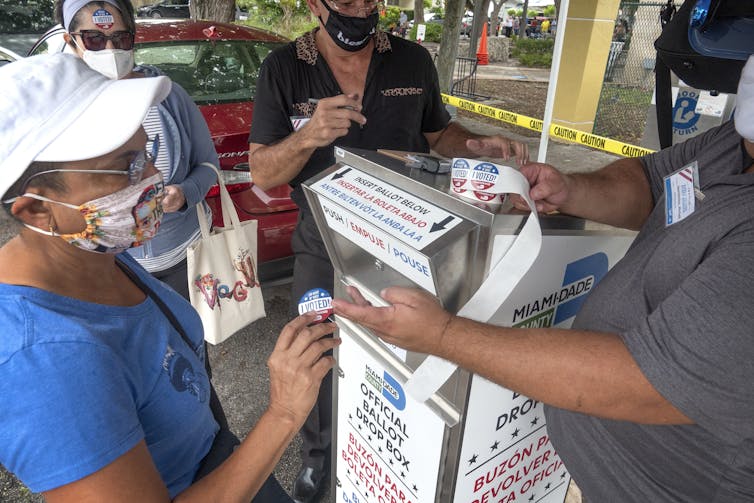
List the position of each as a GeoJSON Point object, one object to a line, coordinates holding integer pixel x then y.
{"type": "Point", "coordinates": [55, 108]}
{"type": "Point", "coordinates": [744, 115]}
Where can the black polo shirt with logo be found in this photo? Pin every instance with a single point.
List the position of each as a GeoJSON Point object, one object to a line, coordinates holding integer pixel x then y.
{"type": "Point", "coordinates": [401, 100]}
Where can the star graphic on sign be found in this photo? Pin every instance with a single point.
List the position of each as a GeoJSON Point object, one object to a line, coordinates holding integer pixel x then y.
{"type": "Point", "coordinates": [534, 421]}
{"type": "Point", "coordinates": [494, 446]}
{"type": "Point", "coordinates": [350, 417]}
{"type": "Point", "coordinates": [531, 498]}
{"type": "Point", "coordinates": [403, 475]}
{"type": "Point", "coordinates": [548, 485]}
{"type": "Point", "coordinates": [348, 472]}
{"type": "Point", "coordinates": [359, 426]}
{"type": "Point", "coordinates": [369, 437]}
{"type": "Point", "coordinates": [379, 449]}
{"type": "Point", "coordinates": [416, 489]}
{"type": "Point", "coordinates": [562, 475]}
{"type": "Point", "coordinates": [391, 461]}
{"type": "Point", "coordinates": [515, 433]}
{"type": "Point", "coordinates": [473, 459]}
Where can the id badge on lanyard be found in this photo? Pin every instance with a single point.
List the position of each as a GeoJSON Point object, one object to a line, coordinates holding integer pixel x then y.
{"type": "Point", "coordinates": [681, 193]}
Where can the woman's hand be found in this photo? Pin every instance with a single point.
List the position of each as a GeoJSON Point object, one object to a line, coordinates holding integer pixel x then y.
{"type": "Point", "coordinates": [173, 200]}
{"type": "Point", "coordinates": [298, 365]}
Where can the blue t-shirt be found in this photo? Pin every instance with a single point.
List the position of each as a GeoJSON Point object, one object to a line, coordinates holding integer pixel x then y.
{"type": "Point", "coordinates": [82, 383]}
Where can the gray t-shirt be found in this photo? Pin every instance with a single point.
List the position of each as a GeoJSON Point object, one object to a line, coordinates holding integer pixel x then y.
{"type": "Point", "coordinates": [682, 299]}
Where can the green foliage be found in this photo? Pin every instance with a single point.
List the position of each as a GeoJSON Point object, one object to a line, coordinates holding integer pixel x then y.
{"type": "Point", "coordinates": [514, 12]}
{"type": "Point", "coordinates": [32, 16]}
{"type": "Point", "coordinates": [533, 51]}
{"type": "Point", "coordinates": [550, 11]}
{"type": "Point", "coordinates": [390, 19]}
{"type": "Point", "coordinates": [290, 18]}
{"type": "Point", "coordinates": [438, 10]}
{"type": "Point", "coordinates": [532, 14]}
{"type": "Point", "coordinates": [432, 33]}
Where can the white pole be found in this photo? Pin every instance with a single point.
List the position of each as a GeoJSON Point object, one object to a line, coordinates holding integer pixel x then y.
{"type": "Point", "coordinates": [555, 68]}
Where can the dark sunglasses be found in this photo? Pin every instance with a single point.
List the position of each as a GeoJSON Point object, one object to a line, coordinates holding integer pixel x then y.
{"type": "Point", "coordinates": [95, 40]}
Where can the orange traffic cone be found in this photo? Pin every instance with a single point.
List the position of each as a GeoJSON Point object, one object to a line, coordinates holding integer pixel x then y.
{"type": "Point", "coordinates": [481, 53]}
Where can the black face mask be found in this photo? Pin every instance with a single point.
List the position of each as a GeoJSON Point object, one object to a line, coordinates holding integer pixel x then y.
{"type": "Point", "coordinates": [350, 33]}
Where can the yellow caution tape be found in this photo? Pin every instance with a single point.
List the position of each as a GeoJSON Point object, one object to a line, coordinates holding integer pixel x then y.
{"type": "Point", "coordinates": [563, 132]}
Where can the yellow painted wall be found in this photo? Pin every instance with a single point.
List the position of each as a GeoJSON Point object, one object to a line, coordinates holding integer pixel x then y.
{"type": "Point", "coordinates": [589, 31]}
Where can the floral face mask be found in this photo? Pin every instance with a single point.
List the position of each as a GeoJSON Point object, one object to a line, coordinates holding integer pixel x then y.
{"type": "Point", "coordinates": [117, 221]}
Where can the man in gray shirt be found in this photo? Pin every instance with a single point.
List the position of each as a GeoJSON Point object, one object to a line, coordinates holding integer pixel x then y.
{"type": "Point", "coordinates": [650, 394]}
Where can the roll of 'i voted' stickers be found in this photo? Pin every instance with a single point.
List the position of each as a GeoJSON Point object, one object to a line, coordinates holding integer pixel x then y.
{"type": "Point", "coordinates": [317, 300]}
{"type": "Point", "coordinates": [475, 179]}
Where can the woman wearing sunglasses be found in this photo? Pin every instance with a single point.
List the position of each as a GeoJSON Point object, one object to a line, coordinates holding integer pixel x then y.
{"type": "Point", "coordinates": [103, 392]}
{"type": "Point", "coordinates": [102, 34]}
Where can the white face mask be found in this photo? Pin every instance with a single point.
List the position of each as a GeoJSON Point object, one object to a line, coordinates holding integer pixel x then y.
{"type": "Point", "coordinates": [112, 63]}
{"type": "Point", "coordinates": [744, 115]}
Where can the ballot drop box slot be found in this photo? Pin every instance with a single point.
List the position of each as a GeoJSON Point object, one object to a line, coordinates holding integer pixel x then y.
{"type": "Point", "coordinates": [472, 441]}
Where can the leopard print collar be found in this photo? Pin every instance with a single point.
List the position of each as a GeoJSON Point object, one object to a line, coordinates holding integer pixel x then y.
{"type": "Point", "coordinates": [306, 47]}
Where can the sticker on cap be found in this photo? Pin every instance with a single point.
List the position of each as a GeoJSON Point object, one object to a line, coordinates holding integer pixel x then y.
{"type": "Point", "coordinates": [103, 19]}
{"type": "Point", "coordinates": [316, 300]}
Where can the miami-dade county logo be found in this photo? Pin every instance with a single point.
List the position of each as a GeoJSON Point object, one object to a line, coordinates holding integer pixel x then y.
{"type": "Point", "coordinates": [578, 280]}
{"type": "Point", "coordinates": [388, 386]}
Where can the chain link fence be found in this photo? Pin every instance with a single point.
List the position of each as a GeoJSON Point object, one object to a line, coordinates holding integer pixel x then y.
{"type": "Point", "coordinates": [629, 75]}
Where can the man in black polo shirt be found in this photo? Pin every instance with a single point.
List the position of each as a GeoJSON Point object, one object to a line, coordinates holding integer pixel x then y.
{"type": "Point", "coordinates": [345, 84]}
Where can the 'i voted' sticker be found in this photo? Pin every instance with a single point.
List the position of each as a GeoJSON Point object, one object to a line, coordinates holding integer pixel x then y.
{"type": "Point", "coordinates": [476, 182]}
{"type": "Point", "coordinates": [317, 300]}
{"type": "Point", "coordinates": [102, 19]}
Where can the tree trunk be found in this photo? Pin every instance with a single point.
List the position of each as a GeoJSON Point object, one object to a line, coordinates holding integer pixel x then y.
{"type": "Point", "coordinates": [480, 23]}
{"type": "Point", "coordinates": [446, 57]}
{"type": "Point", "coordinates": [223, 11]}
{"type": "Point", "coordinates": [495, 21]}
{"type": "Point", "coordinates": [522, 28]}
{"type": "Point", "coordinates": [418, 12]}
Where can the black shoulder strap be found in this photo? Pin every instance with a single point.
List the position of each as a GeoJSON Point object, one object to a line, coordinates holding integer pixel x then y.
{"type": "Point", "coordinates": [214, 401]}
{"type": "Point", "coordinates": [663, 103]}
{"type": "Point", "coordinates": [157, 300]}
{"type": "Point", "coordinates": [663, 91]}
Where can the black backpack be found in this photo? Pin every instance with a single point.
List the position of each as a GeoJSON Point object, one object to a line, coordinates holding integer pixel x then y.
{"type": "Point", "coordinates": [706, 44]}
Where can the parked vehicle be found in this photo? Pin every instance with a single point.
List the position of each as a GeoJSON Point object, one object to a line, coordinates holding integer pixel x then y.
{"type": "Point", "coordinates": [165, 8]}
{"type": "Point", "coordinates": [218, 65]}
{"type": "Point", "coordinates": [7, 56]}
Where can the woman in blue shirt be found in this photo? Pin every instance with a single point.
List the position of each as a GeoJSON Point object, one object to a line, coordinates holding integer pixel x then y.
{"type": "Point", "coordinates": [103, 392]}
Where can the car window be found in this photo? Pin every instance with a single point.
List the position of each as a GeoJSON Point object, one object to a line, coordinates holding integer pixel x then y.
{"type": "Point", "coordinates": [211, 72]}
{"type": "Point", "coordinates": [53, 43]}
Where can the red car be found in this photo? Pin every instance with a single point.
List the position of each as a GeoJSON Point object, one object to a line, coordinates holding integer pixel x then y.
{"type": "Point", "coordinates": [218, 64]}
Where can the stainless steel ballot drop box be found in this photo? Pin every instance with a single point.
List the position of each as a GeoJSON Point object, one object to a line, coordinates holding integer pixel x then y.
{"type": "Point", "coordinates": [471, 441]}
